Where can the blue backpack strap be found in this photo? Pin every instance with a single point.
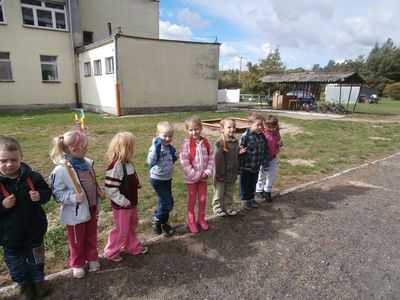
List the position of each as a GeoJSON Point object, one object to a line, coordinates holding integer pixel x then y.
{"type": "Point", "coordinates": [172, 151]}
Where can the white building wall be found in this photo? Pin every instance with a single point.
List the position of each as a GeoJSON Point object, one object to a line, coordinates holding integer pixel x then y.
{"type": "Point", "coordinates": [228, 96]}
{"type": "Point", "coordinates": [335, 93]}
{"type": "Point", "coordinates": [25, 46]}
{"type": "Point", "coordinates": [167, 75]}
{"type": "Point", "coordinates": [98, 92]}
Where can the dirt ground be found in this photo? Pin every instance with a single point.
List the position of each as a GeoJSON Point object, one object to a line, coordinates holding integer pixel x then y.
{"type": "Point", "coordinates": [334, 239]}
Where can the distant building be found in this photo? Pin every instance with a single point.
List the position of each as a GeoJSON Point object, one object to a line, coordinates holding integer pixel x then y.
{"type": "Point", "coordinates": [104, 55]}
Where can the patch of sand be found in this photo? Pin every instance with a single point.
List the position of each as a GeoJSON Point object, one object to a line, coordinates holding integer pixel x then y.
{"type": "Point", "coordinates": [301, 162]}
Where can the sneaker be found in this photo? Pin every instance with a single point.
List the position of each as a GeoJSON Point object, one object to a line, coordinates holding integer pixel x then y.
{"type": "Point", "coordinates": [232, 211]}
{"type": "Point", "coordinates": [253, 203]}
{"type": "Point", "coordinates": [144, 250]}
{"type": "Point", "coordinates": [260, 195]}
{"type": "Point", "coordinates": [247, 205]}
{"type": "Point", "coordinates": [78, 272]}
{"type": "Point", "coordinates": [94, 266]}
{"type": "Point", "coordinates": [41, 289]}
{"type": "Point", "coordinates": [268, 197]}
{"type": "Point", "coordinates": [169, 231]}
{"type": "Point", "coordinates": [220, 212]}
{"type": "Point", "coordinates": [118, 258]}
{"type": "Point", "coordinates": [156, 224]}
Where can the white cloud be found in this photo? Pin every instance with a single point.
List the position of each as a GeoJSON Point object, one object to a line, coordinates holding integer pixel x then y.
{"type": "Point", "coordinates": [194, 20]}
{"type": "Point", "coordinates": [227, 50]}
{"type": "Point", "coordinates": [175, 32]}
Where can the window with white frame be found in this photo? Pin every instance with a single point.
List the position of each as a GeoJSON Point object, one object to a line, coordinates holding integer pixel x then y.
{"type": "Point", "coordinates": [87, 69]}
{"type": "Point", "coordinates": [109, 65]}
{"type": "Point", "coordinates": [97, 67]}
{"type": "Point", "coordinates": [49, 67]}
{"type": "Point", "coordinates": [2, 20]}
{"type": "Point", "coordinates": [44, 14]}
{"type": "Point", "coordinates": [5, 66]}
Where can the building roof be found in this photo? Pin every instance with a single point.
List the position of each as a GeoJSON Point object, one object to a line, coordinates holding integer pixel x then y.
{"type": "Point", "coordinates": [314, 77]}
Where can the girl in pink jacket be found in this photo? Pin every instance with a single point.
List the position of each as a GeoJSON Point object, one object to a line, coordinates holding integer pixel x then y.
{"type": "Point", "coordinates": [197, 160]}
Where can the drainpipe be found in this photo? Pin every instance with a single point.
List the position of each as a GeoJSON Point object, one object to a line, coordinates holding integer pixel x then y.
{"type": "Point", "coordinates": [71, 35]}
{"type": "Point", "coordinates": [117, 85]}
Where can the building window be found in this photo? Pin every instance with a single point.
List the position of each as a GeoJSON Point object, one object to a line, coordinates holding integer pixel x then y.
{"type": "Point", "coordinates": [97, 67]}
{"type": "Point", "coordinates": [2, 20]}
{"type": "Point", "coordinates": [109, 65]}
{"type": "Point", "coordinates": [44, 14]}
{"type": "Point", "coordinates": [87, 37]}
{"type": "Point", "coordinates": [87, 69]}
{"type": "Point", "coordinates": [5, 66]}
{"type": "Point", "coordinates": [49, 67]}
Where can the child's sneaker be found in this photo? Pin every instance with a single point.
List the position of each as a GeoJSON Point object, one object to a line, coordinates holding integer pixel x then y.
{"type": "Point", "coordinates": [232, 212]}
{"type": "Point", "coordinates": [78, 272]}
{"type": "Point", "coordinates": [260, 195]}
{"type": "Point", "coordinates": [254, 203]}
{"type": "Point", "coordinates": [268, 197]}
{"type": "Point", "coordinates": [156, 224]}
{"type": "Point", "coordinates": [169, 231]}
{"type": "Point", "coordinates": [220, 212]}
{"type": "Point", "coordinates": [247, 205]}
{"type": "Point", "coordinates": [118, 258]}
{"type": "Point", "coordinates": [94, 266]}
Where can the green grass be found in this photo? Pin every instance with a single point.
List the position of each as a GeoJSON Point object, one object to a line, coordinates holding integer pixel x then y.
{"type": "Point", "coordinates": [331, 145]}
{"type": "Point", "coordinates": [384, 106]}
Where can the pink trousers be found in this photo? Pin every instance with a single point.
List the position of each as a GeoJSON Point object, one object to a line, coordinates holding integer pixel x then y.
{"type": "Point", "coordinates": [123, 235]}
{"type": "Point", "coordinates": [82, 239]}
{"type": "Point", "coordinates": [196, 190]}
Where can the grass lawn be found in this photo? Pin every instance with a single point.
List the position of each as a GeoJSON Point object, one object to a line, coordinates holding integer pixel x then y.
{"type": "Point", "coordinates": [327, 146]}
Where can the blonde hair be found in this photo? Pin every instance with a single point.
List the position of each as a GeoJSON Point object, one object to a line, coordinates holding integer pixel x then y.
{"type": "Point", "coordinates": [64, 144]}
{"type": "Point", "coordinates": [226, 119]}
{"type": "Point", "coordinates": [9, 144]}
{"type": "Point", "coordinates": [255, 116]}
{"type": "Point", "coordinates": [193, 120]}
{"type": "Point", "coordinates": [164, 126]}
{"type": "Point", "coordinates": [271, 121]}
{"type": "Point", "coordinates": [122, 147]}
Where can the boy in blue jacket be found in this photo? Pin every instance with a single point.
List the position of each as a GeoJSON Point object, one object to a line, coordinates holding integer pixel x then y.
{"type": "Point", "coordinates": [23, 221]}
{"type": "Point", "coordinates": [161, 159]}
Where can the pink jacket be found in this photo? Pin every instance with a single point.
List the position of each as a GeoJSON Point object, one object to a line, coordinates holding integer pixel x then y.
{"type": "Point", "coordinates": [273, 140]}
{"type": "Point", "coordinates": [202, 163]}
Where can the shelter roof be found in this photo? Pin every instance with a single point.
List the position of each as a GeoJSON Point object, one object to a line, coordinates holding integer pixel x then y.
{"type": "Point", "coordinates": [314, 77]}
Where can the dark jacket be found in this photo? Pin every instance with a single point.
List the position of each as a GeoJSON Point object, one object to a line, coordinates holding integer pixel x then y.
{"type": "Point", "coordinates": [25, 223]}
{"type": "Point", "coordinates": [226, 163]}
{"type": "Point", "coordinates": [257, 151]}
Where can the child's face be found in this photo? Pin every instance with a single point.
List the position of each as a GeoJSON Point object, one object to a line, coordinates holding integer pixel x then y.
{"type": "Point", "coordinates": [10, 162]}
{"type": "Point", "coordinates": [166, 136]}
{"type": "Point", "coordinates": [256, 126]}
{"type": "Point", "coordinates": [229, 128]}
{"type": "Point", "coordinates": [194, 130]}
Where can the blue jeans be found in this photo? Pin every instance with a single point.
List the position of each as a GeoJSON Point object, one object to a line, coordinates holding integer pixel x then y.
{"type": "Point", "coordinates": [26, 264]}
{"type": "Point", "coordinates": [248, 182]}
{"type": "Point", "coordinates": [164, 198]}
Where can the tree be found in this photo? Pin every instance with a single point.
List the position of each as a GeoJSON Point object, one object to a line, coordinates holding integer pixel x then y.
{"type": "Point", "coordinates": [228, 79]}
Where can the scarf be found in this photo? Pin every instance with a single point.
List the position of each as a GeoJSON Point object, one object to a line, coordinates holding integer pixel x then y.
{"type": "Point", "coordinates": [78, 163]}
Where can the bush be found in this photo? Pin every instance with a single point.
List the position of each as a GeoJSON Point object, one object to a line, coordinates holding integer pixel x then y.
{"type": "Point", "coordinates": [392, 91]}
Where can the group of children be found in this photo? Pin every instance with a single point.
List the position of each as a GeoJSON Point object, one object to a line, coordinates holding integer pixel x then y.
{"type": "Point", "coordinates": [23, 222]}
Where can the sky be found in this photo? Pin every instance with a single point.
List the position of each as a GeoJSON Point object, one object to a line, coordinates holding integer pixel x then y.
{"type": "Point", "coordinates": [307, 32]}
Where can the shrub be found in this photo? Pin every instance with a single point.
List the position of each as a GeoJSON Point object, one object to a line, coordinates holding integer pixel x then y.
{"type": "Point", "coordinates": [392, 91]}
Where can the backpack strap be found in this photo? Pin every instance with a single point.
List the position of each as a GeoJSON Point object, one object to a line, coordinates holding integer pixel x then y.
{"type": "Point", "coordinates": [4, 191]}
{"type": "Point", "coordinates": [28, 182]}
{"type": "Point", "coordinates": [73, 178]}
{"type": "Point", "coordinates": [192, 147]}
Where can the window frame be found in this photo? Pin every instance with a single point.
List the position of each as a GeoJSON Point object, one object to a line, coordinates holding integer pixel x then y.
{"type": "Point", "coordinates": [87, 69]}
{"type": "Point", "coordinates": [107, 64]}
{"type": "Point", "coordinates": [8, 63]}
{"type": "Point", "coordinates": [47, 63]}
{"type": "Point", "coordinates": [2, 12]}
{"type": "Point", "coordinates": [97, 67]}
{"type": "Point", "coordinates": [53, 11]}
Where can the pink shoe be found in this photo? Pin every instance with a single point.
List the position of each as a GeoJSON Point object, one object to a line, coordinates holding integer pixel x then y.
{"type": "Point", "coordinates": [203, 225]}
{"type": "Point", "coordinates": [191, 223]}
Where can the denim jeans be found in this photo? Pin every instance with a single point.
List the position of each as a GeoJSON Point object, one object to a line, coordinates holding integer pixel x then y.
{"type": "Point", "coordinates": [26, 264]}
{"type": "Point", "coordinates": [164, 198]}
{"type": "Point", "coordinates": [248, 182]}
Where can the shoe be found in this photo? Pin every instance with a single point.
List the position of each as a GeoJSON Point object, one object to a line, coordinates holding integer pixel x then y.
{"type": "Point", "coordinates": [203, 225]}
{"type": "Point", "coordinates": [260, 195]}
{"type": "Point", "coordinates": [254, 203]}
{"type": "Point", "coordinates": [144, 250]}
{"type": "Point", "coordinates": [247, 205]}
{"type": "Point", "coordinates": [191, 224]}
{"type": "Point", "coordinates": [41, 289]}
{"type": "Point", "coordinates": [232, 212]}
{"type": "Point", "coordinates": [220, 212]}
{"type": "Point", "coordinates": [268, 197]}
{"type": "Point", "coordinates": [78, 272]}
{"type": "Point", "coordinates": [118, 258]}
{"type": "Point", "coordinates": [94, 266]}
{"type": "Point", "coordinates": [156, 225]}
{"type": "Point", "coordinates": [26, 292]}
{"type": "Point", "coordinates": [169, 231]}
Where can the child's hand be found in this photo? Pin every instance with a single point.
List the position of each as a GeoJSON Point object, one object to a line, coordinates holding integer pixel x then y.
{"type": "Point", "coordinates": [242, 150]}
{"type": "Point", "coordinates": [203, 176]}
{"type": "Point", "coordinates": [102, 195]}
{"type": "Point", "coordinates": [9, 201]}
{"type": "Point", "coordinates": [35, 196]}
{"type": "Point", "coordinates": [79, 198]}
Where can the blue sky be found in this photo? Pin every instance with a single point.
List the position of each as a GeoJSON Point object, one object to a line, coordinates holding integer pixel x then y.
{"type": "Point", "coordinates": [306, 31]}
